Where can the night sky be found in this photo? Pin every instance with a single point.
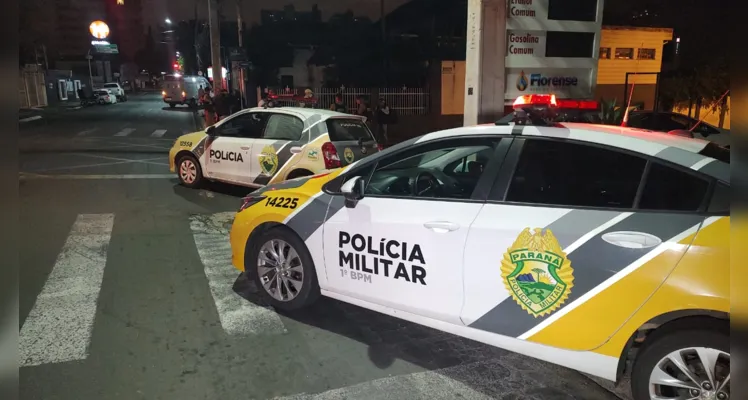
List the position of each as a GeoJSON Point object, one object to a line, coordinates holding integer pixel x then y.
{"type": "Point", "coordinates": [156, 10]}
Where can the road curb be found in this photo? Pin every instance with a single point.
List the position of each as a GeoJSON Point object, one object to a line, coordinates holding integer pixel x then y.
{"type": "Point", "coordinates": [29, 119]}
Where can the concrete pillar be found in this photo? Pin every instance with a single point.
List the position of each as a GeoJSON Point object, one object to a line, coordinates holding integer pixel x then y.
{"type": "Point", "coordinates": [215, 44]}
{"type": "Point", "coordinates": [485, 58]}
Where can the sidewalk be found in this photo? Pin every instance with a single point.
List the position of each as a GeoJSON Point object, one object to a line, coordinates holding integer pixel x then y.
{"type": "Point", "coordinates": [36, 113]}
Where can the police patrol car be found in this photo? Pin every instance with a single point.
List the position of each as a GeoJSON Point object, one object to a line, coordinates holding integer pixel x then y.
{"type": "Point", "coordinates": [260, 146]}
{"type": "Point", "coordinates": [599, 248]}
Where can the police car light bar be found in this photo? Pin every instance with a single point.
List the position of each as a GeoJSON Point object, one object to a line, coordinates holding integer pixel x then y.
{"type": "Point", "coordinates": [551, 101]}
{"type": "Point", "coordinates": [535, 100]}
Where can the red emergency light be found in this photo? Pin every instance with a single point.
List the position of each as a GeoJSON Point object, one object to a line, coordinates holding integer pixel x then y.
{"type": "Point", "coordinates": [535, 100]}
{"type": "Point", "coordinates": [551, 101]}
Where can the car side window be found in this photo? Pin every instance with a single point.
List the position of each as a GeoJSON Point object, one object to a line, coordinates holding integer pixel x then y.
{"type": "Point", "coordinates": [670, 189]}
{"type": "Point", "coordinates": [248, 125]}
{"type": "Point", "coordinates": [283, 127]}
{"type": "Point", "coordinates": [428, 171]}
{"type": "Point", "coordinates": [570, 174]}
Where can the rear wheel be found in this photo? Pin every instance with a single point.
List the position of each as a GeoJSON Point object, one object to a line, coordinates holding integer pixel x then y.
{"type": "Point", "coordinates": [282, 268]}
{"type": "Point", "coordinates": [691, 364]}
{"type": "Point", "coordinates": [189, 172]}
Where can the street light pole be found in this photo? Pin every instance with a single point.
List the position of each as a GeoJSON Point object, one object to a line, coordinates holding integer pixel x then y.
{"type": "Point", "coordinates": [90, 75]}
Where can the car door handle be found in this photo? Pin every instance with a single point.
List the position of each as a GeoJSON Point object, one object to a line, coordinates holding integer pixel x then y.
{"type": "Point", "coordinates": [441, 226]}
{"type": "Point", "coordinates": [244, 147]}
{"type": "Point", "coordinates": [632, 240]}
{"type": "Point", "coordinates": [295, 150]}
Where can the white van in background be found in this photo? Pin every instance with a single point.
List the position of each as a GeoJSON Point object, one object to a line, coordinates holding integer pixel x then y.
{"type": "Point", "coordinates": [182, 89]}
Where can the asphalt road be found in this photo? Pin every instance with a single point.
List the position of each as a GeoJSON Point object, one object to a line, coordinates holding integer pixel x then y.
{"type": "Point", "coordinates": [127, 291]}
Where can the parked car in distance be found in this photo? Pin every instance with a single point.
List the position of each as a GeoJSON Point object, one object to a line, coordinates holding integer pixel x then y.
{"type": "Point", "coordinates": [117, 90]}
{"type": "Point", "coordinates": [670, 121]}
{"type": "Point", "coordinates": [105, 96]}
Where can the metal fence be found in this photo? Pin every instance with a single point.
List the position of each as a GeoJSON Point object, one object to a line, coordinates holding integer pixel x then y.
{"type": "Point", "coordinates": [405, 101]}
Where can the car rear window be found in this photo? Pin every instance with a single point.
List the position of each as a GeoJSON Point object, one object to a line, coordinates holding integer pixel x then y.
{"type": "Point", "coordinates": [347, 130]}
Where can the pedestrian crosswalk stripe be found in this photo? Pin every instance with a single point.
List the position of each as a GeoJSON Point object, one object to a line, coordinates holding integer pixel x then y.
{"type": "Point", "coordinates": [238, 316]}
{"type": "Point", "coordinates": [60, 324]}
{"type": "Point", "coordinates": [86, 132]}
{"type": "Point", "coordinates": [158, 133]}
{"type": "Point", "coordinates": [124, 132]}
{"type": "Point", "coordinates": [446, 384]}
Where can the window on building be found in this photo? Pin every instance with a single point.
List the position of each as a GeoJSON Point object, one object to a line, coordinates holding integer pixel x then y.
{"type": "Point", "coordinates": [605, 53]}
{"type": "Point", "coordinates": [624, 53]}
{"type": "Point", "coordinates": [646, 54]}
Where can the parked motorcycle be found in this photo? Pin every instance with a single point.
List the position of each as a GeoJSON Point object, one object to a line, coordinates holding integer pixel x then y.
{"type": "Point", "coordinates": [89, 101]}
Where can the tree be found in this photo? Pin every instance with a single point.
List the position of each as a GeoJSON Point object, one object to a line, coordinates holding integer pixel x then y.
{"type": "Point", "coordinates": [538, 271]}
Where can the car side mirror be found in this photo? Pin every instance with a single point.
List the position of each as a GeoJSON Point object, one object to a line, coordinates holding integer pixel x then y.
{"type": "Point", "coordinates": [353, 191]}
{"type": "Point", "coordinates": [211, 131]}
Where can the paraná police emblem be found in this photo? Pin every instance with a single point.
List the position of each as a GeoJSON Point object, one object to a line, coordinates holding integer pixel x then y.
{"type": "Point", "coordinates": [268, 160]}
{"type": "Point", "coordinates": [537, 273]}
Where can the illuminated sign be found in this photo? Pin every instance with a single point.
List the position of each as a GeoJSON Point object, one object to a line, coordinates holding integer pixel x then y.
{"type": "Point", "coordinates": [521, 8]}
{"type": "Point", "coordinates": [100, 42]}
{"type": "Point", "coordinates": [565, 83]}
{"type": "Point", "coordinates": [526, 43]}
{"type": "Point", "coordinates": [99, 29]}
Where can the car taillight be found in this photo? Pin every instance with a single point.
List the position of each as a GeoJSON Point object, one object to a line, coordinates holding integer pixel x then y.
{"type": "Point", "coordinates": [330, 155]}
{"type": "Point", "coordinates": [184, 94]}
{"type": "Point", "coordinates": [250, 201]}
{"type": "Point", "coordinates": [380, 147]}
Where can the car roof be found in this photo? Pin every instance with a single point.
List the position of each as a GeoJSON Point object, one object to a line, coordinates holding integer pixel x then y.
{"type": "Point", "coordinates": [675, 149]}
{"type": "Point", "coordinates": [310, 116]}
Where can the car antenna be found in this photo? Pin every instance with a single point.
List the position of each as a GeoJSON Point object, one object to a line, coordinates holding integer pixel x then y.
{"type": "Point", "coordinates": [711, 110]}
{"type": "Point", "coordinates": [625, 121]}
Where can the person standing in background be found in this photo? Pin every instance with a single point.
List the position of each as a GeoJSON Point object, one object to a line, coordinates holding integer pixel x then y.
{"type": "Point", "coordinates": [385, 116]}
{"type": "Point", "coordinates": [339, 105]}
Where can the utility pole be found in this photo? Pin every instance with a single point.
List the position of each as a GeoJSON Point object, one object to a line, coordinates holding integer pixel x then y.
{"type": "Point", "coordinates": [242, 90]}
{"type": "Point", "coordinates": [384, 40]}
{"type": "Point", "coordinates": [215, 44]}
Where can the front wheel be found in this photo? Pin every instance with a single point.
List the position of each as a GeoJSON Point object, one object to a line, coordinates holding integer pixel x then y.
{"type": "Point", "coordinates": [282, 268]}
{"type": "Point", "coordinates": [691, 364]}
{"type": "Point", "coordinates": [189, 172]}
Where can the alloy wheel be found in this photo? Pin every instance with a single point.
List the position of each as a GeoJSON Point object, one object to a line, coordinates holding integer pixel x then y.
{"type": "Point", "coordinates": [694, 373]}
{"type": "Point", "coordinates": [280, 270]}
{"type": "Point", "coordinates": [188, 171]}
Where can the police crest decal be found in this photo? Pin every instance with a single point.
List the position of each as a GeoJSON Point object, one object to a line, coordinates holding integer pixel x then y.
{"type": "Point", "coordinates": [268, 160]}
{"type": "Point", "coordinates": [536, 272]}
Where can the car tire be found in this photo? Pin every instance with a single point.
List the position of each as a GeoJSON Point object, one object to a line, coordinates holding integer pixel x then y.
{"type": "Point", "coordinates": [189, 172]}
{"type": "Point", "coordinates": [309, 291]}
{"type": "Point", "coordinates": [656, 350]}
{"type": "Point", "coordinates": [124, 98]}
{"type": "Point", "coordinates": [172, 105]}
